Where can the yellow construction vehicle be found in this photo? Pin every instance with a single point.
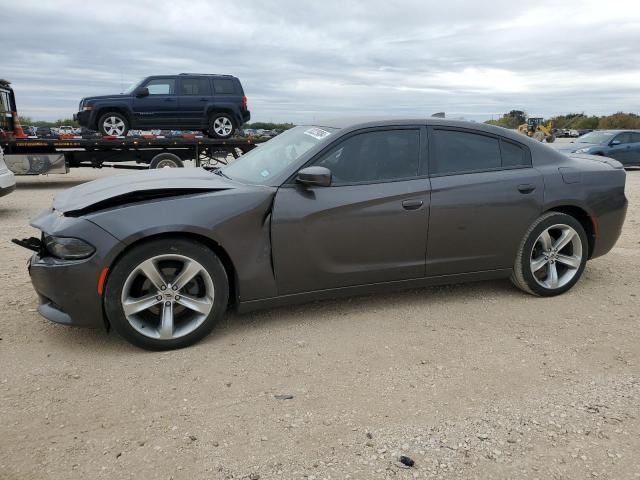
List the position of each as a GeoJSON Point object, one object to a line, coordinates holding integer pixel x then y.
{"type": "Point", "coordinates": [536, 129]}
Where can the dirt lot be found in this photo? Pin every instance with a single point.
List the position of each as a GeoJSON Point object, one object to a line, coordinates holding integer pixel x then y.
{"type": "Point", "coordinates": [470, 381]}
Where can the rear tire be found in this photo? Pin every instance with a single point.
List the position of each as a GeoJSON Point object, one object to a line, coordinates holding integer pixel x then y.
{"type": "Point", "coordinates": [222, 126]}
{"type": "Point", "coordinates": [113, 124]}
{"type": "Point", "coordinates": [166, 160]}
{"type": "Point", "coordinates": [552, 255]}
{"type": "Point", "coordinates": [174, 292]}
{"type": "Point", "coordinates": [551, 138]}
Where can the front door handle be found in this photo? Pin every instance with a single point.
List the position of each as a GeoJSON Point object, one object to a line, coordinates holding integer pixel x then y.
{"type": "Point", "coordinates": [526, 188]}
{"type": "Point", "coordinates": [411, 204]}
{"type": "Point", "coordinates": [168, 99]}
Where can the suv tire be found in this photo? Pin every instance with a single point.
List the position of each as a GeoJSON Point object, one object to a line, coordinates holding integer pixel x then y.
{"type": "Point", "coordinates": [113, 123]}
{"type": "Point", "coordinates": [221, 125]}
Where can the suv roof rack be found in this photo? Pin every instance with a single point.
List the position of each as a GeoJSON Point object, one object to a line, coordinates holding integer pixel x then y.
{"type": "Point", "coordinates": [207, 74]}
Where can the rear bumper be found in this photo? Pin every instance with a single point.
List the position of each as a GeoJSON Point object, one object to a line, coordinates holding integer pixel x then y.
{"type": "Point", "coordinates": [246, 116]}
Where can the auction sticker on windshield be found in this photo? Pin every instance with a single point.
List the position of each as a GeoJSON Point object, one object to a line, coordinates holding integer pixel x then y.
{"type": "Point", "coordinates": [317, 133]}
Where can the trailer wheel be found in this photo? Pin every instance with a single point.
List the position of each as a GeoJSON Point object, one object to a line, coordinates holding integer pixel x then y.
{"type": "Point", "coordinates": [166, 160]}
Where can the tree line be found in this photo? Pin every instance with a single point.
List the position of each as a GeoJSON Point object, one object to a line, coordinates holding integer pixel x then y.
{"type": "Point", "coordinates": [577, 121]}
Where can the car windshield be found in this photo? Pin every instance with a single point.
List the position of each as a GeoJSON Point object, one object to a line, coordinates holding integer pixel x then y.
{"type": "Point", "coordinates": [271, 158]}
{"type": "Point", "coordinates": [596, 137]}
{"type": "Point", "coordinates": [132, 87]}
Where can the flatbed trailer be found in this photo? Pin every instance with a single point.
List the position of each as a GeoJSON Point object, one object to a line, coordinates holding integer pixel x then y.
{"type": "Point", "coordinates": [36, 156]}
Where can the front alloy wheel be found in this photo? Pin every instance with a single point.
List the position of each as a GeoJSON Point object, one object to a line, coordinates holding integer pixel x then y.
{"type": "Point", "coordinates": [113, 124]}
{"type": "Point", "coordinates": [166, 294]}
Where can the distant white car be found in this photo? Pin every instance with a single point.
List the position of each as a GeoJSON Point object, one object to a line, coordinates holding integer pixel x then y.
{"type": "Point", "coordinates": [65, 130]}
{"type": "Point", "coordinates": [7, 179]}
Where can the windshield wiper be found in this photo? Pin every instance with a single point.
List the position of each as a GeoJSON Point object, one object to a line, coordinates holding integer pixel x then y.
{"type": "Point", "coordinates": [218, 171]}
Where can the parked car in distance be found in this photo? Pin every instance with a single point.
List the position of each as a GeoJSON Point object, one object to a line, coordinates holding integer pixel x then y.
{"type": "Point", "coordinates": [29, 130]}
{"type": "Point", "coordinates": [214, 104]}
{"type": "Point", "coordinates": [623, 145]}
{"type": "Point", "coordinates": [7, 178]}
{"type": "Point", "coordinates": [326, 210]}
{"type": "Point", "coordinates": [45, 132]}
{"type": "Point", "coordinates": [65, 130]}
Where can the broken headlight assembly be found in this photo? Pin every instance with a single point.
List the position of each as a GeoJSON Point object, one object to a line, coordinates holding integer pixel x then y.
{"type": "Point", "coordinates": [68, 248]}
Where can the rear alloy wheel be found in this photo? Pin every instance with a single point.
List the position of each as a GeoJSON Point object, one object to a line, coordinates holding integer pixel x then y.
{"type": "Point", "coordinates": [166, 294]}
{"type": "Point", "coordinates": [552, 256]}
{"type": "Point", "coordinates": [221, 126]}
{"type": "Point", "coordinates": [113, 124]}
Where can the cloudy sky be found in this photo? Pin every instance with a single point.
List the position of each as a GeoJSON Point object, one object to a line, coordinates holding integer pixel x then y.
{"type": "Point", "coordinates": [299, 60]}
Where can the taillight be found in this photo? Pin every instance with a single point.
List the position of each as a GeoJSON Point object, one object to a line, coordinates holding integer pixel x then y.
{"type": "Point", "coordinates": [244, 104]}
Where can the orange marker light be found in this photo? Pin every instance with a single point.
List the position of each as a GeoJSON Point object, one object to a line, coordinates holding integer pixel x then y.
{"type": "Point", "coordinates": [101, 280]}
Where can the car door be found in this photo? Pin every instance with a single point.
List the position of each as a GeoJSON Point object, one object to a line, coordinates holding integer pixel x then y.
{"type": "Point", "coordinates": [634, 158]}
{"type": "Point", "coordinates": [368, 226]}
{"type": "Point", "coordinates": [484, 196]}
{"type": "Point", "coordinates": [621, 148]}
{"type": "Point", "coordinates": [160, 107]}
{"type": "Point", "coordinates": [194, 94]}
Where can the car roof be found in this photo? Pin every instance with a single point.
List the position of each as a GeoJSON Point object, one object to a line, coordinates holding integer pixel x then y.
{"type": "Point", "coordinates": [355, 123]}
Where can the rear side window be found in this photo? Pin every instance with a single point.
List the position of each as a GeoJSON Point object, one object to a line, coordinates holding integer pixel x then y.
{"type": "Point", "coordinates": [195, 86]}
{"type": "Point", "coordinates": [457, 151]}
{"type": "Point", "coordinates": [513, 155]}
{"type": "Point", "coordinates": [223, 86]}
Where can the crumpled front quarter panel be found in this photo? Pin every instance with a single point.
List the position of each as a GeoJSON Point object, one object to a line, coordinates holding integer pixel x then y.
{"type": "Point", "coordinates": [238, 220]}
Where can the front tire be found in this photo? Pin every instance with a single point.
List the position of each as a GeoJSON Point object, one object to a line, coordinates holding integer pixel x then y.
{"type": "Point", "coordinates": [552, 255]}
{"type": "Point", "coordinates": [221, 126]}
{"type": "Point", "coordinates": [113, 124]}
{"type": "Point", "coordinates": [166, 294]}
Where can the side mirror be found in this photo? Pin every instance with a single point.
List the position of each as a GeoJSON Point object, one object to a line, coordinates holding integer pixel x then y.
{"type": "Point", "coordinates": [615, 142]}
{"type": "Point", "coordinates": [141, 92]}
{"type": "Point", "coordinates": [318, 176]}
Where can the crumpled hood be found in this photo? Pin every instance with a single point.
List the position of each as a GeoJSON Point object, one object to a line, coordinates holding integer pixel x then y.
{"type": "Point", "coordinates": [124, 189]}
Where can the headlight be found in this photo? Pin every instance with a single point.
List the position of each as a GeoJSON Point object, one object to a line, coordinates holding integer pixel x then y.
{"type": "Point", "coordinates": [68, 248]}
{"type": "Point", "coordinates": [582, 150]}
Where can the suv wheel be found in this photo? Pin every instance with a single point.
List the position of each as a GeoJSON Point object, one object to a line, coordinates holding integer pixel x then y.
{"type": "Point", "coordinates": [113, 123]}
{"type": "Point", "coordinates": [552, 255]}
{"type": "Point", "coordinates": [221, 126]}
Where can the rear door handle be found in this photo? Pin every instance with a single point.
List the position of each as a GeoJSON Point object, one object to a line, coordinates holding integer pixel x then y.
{"type": "Point", "coordinates": [204, 99]}
{"type": "Point", "coordinates": [411, 204]}
{"type": "Point", "coordinates": [168, 99]}
{"type": "Point", "coordinates": [526, 188]}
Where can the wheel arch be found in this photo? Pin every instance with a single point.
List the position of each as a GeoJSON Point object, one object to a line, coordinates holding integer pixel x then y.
{"type": "Point", "coordinates": [219, 109]}
{"type": "Point", "coordinates": [586, 220]}
{"type": "Point", "coordinates": [222, 254]}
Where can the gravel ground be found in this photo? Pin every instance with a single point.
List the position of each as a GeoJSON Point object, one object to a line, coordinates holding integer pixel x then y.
{"type": "Point", "coordinates": [469, 381]}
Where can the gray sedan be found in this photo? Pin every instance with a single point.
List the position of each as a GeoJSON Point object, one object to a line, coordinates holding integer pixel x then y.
{"type": "Point", "coordinates": [339, 208]}
{"type": "Point", "coordinates": [623, 145]}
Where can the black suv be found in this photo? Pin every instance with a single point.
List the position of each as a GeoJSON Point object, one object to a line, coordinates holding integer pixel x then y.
{"type": "Point", "coordinates": [214, 104]}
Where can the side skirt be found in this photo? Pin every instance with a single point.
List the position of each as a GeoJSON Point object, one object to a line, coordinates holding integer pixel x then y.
{"type": "Point", "coordinates": [382, 287]}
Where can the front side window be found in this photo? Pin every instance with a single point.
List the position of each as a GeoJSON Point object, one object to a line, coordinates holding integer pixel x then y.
{"type": "Point", "coordinates": [623, 138]}
{"type": "Point", "coordinates": [161, 86]}
{"type": "Point", "coordinates": [456, 152]}
{"type": "Point", "coordinates": [373, 157]}
{"type": "Point", "coordinates": [195, 86]}
{"type": "Point", "coordinates": [635, 137]}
